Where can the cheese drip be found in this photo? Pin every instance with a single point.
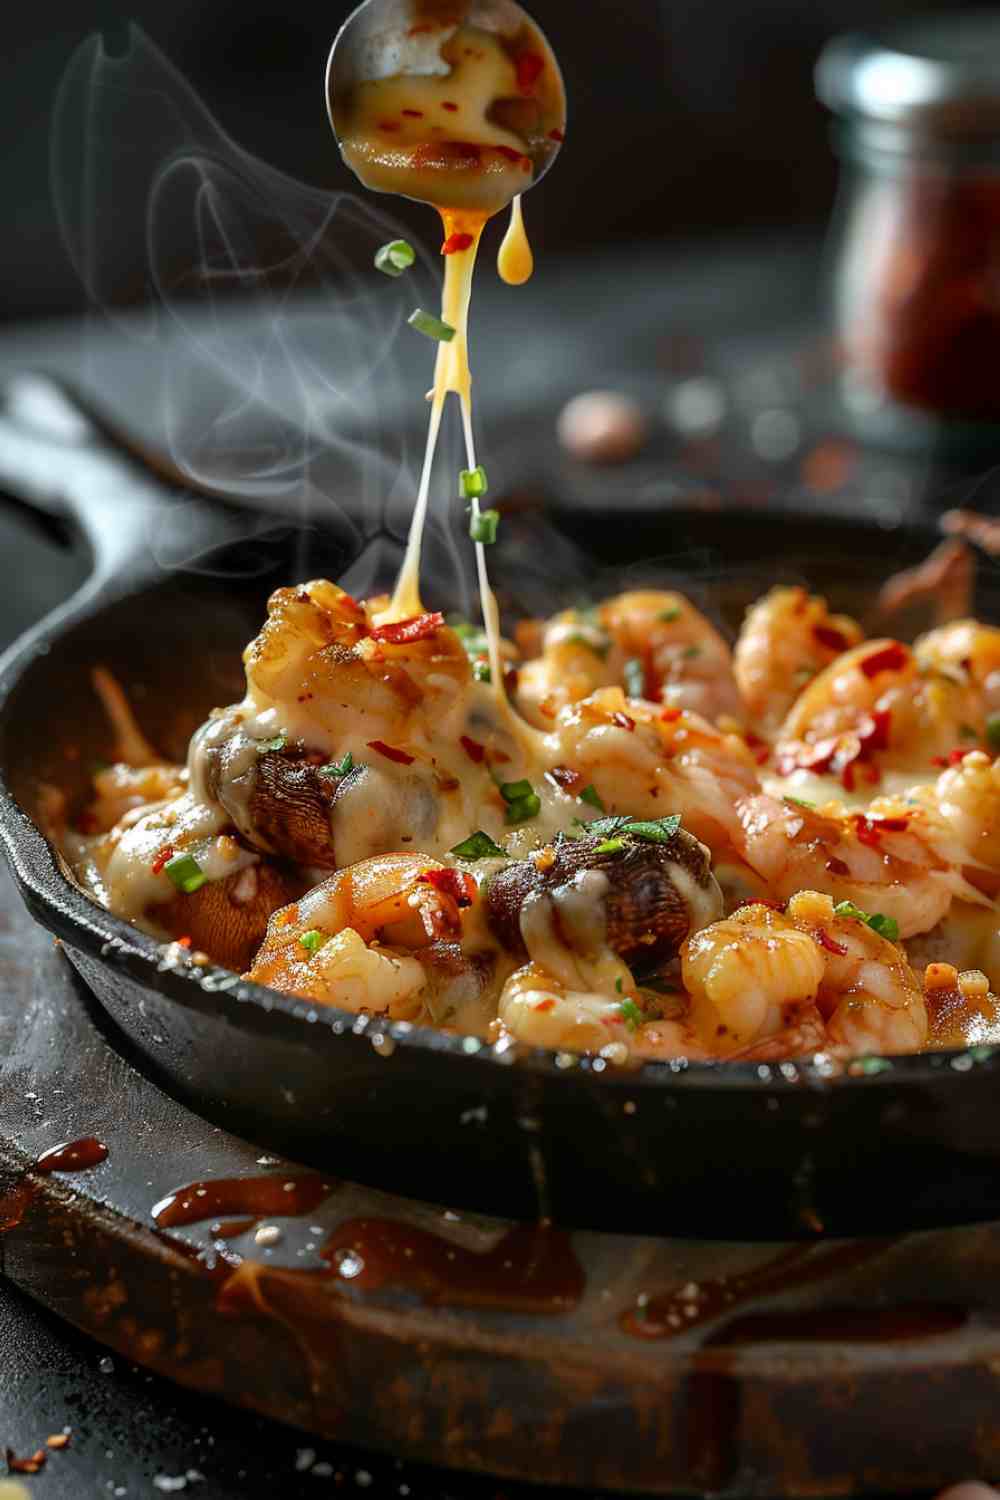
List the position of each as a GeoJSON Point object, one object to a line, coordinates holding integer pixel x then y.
{"type": "Point", "coordinates": [515, 261]}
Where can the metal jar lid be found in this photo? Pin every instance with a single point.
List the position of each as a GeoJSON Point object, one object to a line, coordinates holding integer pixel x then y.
{"type": "Point", "coordinates": [937, 77]}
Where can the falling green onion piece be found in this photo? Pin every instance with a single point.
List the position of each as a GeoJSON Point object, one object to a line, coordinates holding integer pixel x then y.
{"type": "Point", "coordinates": [635, 677]}
{"type": "Point", "coordinates": [338, 768]}
{"type": "Point", "coordinates": [993, 731]}
{"type": "Point", "coordinates": [478, 845]}
{"type": "Point", "coordinates": [631, 1014]}
{"type": "Point", "coordinates": [264, 747]}
{"type": "Point", "coordinates": [186, 873]}
{"type": "Point", "coordinates": [483, 526]}
{"type": "Point", "coordinates": [474, 483]}
{"type": "Point", "coordinates": [313, 940]}
{"type": "Point", "coordinates": [395, 258]}
{"type": "Point", "coordinates": [591, 796]}
{"type": "Point", "coordinates": [430, 326]}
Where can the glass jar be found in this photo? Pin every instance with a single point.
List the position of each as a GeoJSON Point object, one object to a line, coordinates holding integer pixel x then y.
{"type": "Point", "coordinates": [916, 238]}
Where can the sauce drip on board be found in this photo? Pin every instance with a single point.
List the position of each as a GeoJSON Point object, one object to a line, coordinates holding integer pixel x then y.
{"type": "Point", "coordinates": [253, 1197]}
{"type": "Point", "coordinates": [73, 1156]}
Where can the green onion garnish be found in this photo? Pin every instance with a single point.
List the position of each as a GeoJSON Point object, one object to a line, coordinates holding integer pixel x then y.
{"type": "Point", "coordinates": [474, 483]}
{"type": "Point", "coordinates": [886, 927]}
{"type": "Point", "coordinates": [631, 1014]}
{"type": "Point", "coordinates": [430, 326]}
{"type": "Point", "coordinates": [478, 845]}
{"type": "Point", "coordinates": [395, 258]}
{"type": "Point", "coordinates": [264, 747]}
{"type": "Point", "coordinates": [656, 831]}
{"type": "Point", "coordinates": [481, 671]}
{"type": "Point", "coordinates": [993, 731]}
{"type": "Point", "coordinates": [591, 796]}
{"type": "Point", "coordinates": [313, 939]}
{"type": "Point", "coordinates": [618, 984]}
{"type": "Point", "coordinates": [668, 616]}
{"type": "Point", "coordinates": [620, 827]}
{"type": "Point", "coordinates": [690, 652]}
{"type": "Point", "coordinates": [338, 768]}
{"type": "Point", "coordinates": [523, 802]}
{"type": "Point", "coordinates": [635, 677]}
{"type": "Point", "coordinates": [186, 873]}
{"type": "Point", "coordinates": [610, 846]}
{"type": "Point", "coordinates": [599, 647]}
{"type": "Point", "coordinates": [483, 525]}
{"type": "Point", "coordinates": [871, 1066]}
{"type": "Point", "coordinates": [799, 802]}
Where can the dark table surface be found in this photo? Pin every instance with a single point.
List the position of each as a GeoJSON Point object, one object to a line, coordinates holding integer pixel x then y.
{"type": "Point", "coordinates": [637, 322]}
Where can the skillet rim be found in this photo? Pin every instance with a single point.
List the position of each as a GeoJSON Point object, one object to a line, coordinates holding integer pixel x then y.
{"type": "Point", "coordinates": [66, 910]}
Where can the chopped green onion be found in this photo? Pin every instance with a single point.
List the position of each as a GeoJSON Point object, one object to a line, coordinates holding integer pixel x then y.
{"type": "Point", "coordinates": [605, 827]}
{"type": "Point", "coordinates": [800, 802]}
{"type": "Point", "coordinates": [690, 652]}
{"type": "Point", "coordinates": [264, 747]}
{"type": "Point", "coordinates": [668, 616]}
{"type": "Point", "coordinates": [610, 846]}
{"type": "Point", "coordinates": [483, 525]}
{"type": "Point", "coordinates": [993, 731]}
{"type": "Point", "coordinates": [635, 677]}
{"type": "Point", "coordinates": [430, 326]}
{"type": "Point", "coordinates": [481, 671]}
{"type": "Point", "coordinates": [395, 258]}
{"type": "Point", "coordinates": [478, 845]}
{"type": "Point", "coordinates": [474, 483]}
{"type": "Point", "coordinates": [591, 796]}
{"type": "Point", "coordinates": [313, 940]}
{"type": "Point", "coordinates": [848, 909]}
{"type": "Point", "coordinates": [186, 873]}
{"type": "Point", "coordinates": [618, 984]}
{"type": "Point", "coordinates": [599, 647]}
{"type": "Point", "coordinates": [886, 927]}
{"type": "Point", "coordinates": [522, 801]}
{"type": "Point", "coordinates": [631, 1014]}
{"type": "Point", "coordinates": [338, 768]}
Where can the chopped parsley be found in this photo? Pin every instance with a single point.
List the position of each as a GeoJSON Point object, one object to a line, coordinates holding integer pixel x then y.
{"type": "Point", "coordinates": [651, 831]}
{"type": "Point", "coordinates": [610, 846]}
{"type": "Point", "coordinates": [635, 677]}
{"type": "Point", "coordinates": [338, 768]}
{"type": "Point", "coordinates": [523, 802]}
{"type": "Point", "coordinates": [591, 796]}
{"type": "Point", "coordinates": [478, 845]}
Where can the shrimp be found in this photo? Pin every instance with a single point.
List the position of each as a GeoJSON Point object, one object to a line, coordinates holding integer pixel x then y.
{"type": "Point", "coordinates": [876, 708]}
{"type": "Point", "coordinates": [544, 1010]}
{"type": "Point", "coordinates": [383, 936]}
{"type": "Point", "coordinates": [881, 863]}
{"type": "Point", "coordinates": [649, 762]}
{"type": "Point", "coordinates": [787, 638]}
{"type": "Point", "coordinates": [971, 652]}
{"type": "Point", "coordinates": [766, 983]}
{"type": "Point", "coordinates": [958, 816]}
{"type": "Point", "coordinates": [653, 643]}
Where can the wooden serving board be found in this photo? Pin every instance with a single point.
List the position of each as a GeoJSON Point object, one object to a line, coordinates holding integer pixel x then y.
{"type": "Point", "coordinates": [596, 1360]}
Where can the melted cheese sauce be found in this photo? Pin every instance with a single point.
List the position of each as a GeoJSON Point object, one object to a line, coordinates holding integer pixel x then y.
{"type": "Point", "coordinates": [515, 262]}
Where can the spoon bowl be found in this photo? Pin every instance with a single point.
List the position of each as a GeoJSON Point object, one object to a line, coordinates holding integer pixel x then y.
{"type": "Point", "coordinates": [447, 159]}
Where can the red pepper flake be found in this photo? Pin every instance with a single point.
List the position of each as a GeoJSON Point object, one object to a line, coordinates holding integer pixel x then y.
{"type": "Point", "coordinates": [389, 125]}
{"type": "Point", "coordinates": [456, 242]}
{"type": "Point", "coordinates": [450, 106]}
{"type": "Point", "coordinates": [670, 715]}
{"type": "Point", "coordinates": [530, 67]}
{"type": "Point", "coordinates": [891, 658]}
{"type": "Point", "coordinates": [473, 749]}
{"type": "Point", "coordinates": [893, 825]}
{"type": "Point", "coordinates": [460, 887]}
{"type": "Point", "coordinates": [405, 632]}
{"type": "Point", "coordinates": [512, 155]}
{"type": "Point", "coordinates": [548, 1004]}
{"type": "Point", "coordinates": [956, 757]}
{"type": "Point", "coordinates": [32, 1465]}
{"type": "Point", "coordinates": [183, 942]}
{"type": "Point", "coordinates": [391, 753]}
{"type": "Point", "coordinates": [414, 114]}
{"type": "Point", "coordinates": [162, 858]}
{"type": "Point", "coordinates": [832, 639]}
{"type": "Point", "coordinates": [826, 941]}
{"type": "Point", "coordinates": [837, 866]}
{"type": "Point", "coordinates": [565, 777]}
{"type": "Point", "coordinates": [499, 758]}
{"type": "Point", "coordinates": [868, 832]}
{"type": "Point", "coordinates": [557, 135]}
{"type": "Point", "coordinates": [847, 777]}
{"type": "Point", "coordinates": [623, 721]}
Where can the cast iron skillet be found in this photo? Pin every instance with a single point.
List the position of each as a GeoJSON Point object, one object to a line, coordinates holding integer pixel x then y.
{"type": "Point", "coordinates": [738, 1150]}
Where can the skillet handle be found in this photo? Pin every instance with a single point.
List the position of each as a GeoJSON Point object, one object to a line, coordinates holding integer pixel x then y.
{"type": "Point", "coordinates": [137, 514]}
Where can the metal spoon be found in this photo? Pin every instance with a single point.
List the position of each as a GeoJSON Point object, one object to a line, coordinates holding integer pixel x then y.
{"type": "Point", "coordinates": [387, 38]}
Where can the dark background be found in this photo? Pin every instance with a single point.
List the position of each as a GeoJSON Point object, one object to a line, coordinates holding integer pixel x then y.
{"type": "Point", "coordinates": [686, 116]}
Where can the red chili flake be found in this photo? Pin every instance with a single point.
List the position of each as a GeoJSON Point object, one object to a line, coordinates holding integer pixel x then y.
{"type": "Point", "coordinates": [832, 639]}
{"type": "Point", "coordinates": [826, 941]}
{"type": "Point", "coordinates": [623, 721]}
{"type": "Point", "coordinates": [499, 757]}
{"type": "Point", "coordinates": [670, 715]}
{"type": "Point", "coordinates": [565, 777]}
{"type": "Point", "coordinates": [868, 833]}
{"type": "Point", "coordinates": [511, 154]}
{"type": "Point", "coordinates": [548, 1004]}
{"type": "Point", "coordinates": [877, 737]}
{"type": "Point", "coordinates": [414, 114]}
{"type": "Point", "coordinates": [161, 859]}
{"type": "Point", "coordinates": [86, 823]}
{"type": "Point", "coordinates": [891, 658]}
{"type": "Point", "coordinates": [836, 866]}
{"type": "Point", "coordinates": [847, 777]}
{"type": "Point", "coordinates": [461, 888]}
{"type": "Point", "coordinates": [473, 749]}
{"type": "Point", "coordinates": [956, 757]}
{"type": "Point", "coordinates": [456, 242]}
{"type": "Point", "coordinates": [556, 135]}
{"type": "Point", "coordinates": [449, 106]}
{"type": "Point", "coordinates": [893, 825]}
{"type": "Point", "coordinates": [405, 632]}
{"type": "Point", "coordinates": [759, 748]}
{"type": "Point", "coordinates": [530, 67]}
{"type": "Point", "coordinates": [183, 942]}
{"type": "Point", "coordinates": [389, 125]}
{"type": "Point", "coordinates": [391, 753]}
{"type": "Point", "coordinates": [32, 1465]}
